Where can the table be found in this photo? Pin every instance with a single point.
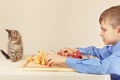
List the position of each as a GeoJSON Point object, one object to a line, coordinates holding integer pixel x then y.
{"type": "Point", "coordinates": [9, 71]}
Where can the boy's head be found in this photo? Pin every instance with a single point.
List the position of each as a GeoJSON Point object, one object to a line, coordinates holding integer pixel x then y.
{"type": "Point", "coordinates": [111, 16]}
{"type": "Point", "coordinates": [110, 25]}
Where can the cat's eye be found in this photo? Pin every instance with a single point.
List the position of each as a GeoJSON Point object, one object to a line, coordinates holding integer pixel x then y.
{"type": "Point", "coordinates": [15, 32]}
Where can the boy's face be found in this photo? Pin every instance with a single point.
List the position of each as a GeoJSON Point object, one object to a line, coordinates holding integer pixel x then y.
{"type": "Point", "coordinates": [108, 34]}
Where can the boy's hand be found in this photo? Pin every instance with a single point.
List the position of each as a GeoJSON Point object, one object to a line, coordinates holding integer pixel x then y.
{"type": "Point", "coordinates": [69, 52]}
{"type": "Point", "coordinates": [55, 59]}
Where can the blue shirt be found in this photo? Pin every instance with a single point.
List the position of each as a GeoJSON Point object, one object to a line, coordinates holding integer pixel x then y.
{"type": "Point", "coordinates": [108, 61]}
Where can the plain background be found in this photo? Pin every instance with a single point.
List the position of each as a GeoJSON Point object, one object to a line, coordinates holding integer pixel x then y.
{"type": "Point", "coordinates": [53, 24]}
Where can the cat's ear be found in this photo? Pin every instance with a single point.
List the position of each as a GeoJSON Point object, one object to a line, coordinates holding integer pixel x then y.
{"type": "Point", "coordinates": [8, 30]}
{"type": "Point", "coordinates": [15, 33]}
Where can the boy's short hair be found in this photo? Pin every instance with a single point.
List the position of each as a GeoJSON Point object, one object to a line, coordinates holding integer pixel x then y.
{"type": "Point", "coordinates": [111, 16]}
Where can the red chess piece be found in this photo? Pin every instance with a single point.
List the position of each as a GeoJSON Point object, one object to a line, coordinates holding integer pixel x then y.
{"type": "Point", "coordinates": [76, 54]}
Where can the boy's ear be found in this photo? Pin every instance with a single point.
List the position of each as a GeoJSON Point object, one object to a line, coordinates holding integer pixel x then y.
{"type": "Point", "coordinates": [118, 30]}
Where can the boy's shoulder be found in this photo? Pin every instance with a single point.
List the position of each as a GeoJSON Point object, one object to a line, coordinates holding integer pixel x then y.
{"type": "Point", "coordinates": [116, 47]}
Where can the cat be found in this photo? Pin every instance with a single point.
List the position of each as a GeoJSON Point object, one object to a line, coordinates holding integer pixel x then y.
{"type": "Point", "coordinates": [15, 46]}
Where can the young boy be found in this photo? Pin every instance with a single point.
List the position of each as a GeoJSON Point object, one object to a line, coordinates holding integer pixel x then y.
{"type": "Point", "coordinates": [108, 61]}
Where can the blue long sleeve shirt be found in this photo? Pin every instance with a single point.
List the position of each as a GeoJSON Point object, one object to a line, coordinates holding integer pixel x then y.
{"type": "Point", "coordinates": [108, 61]}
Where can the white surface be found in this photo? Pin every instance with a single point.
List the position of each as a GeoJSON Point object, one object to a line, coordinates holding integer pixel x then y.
{"type": "Point", "coordinates": [9, 71]}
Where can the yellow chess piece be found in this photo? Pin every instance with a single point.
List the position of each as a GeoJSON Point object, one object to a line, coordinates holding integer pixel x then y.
{"type": "Point", "coordinates": [29, 58]}
{"type": "Point", "coordinates": [43, 57]}
{"type": "Point", "coordinates": [37, 58]}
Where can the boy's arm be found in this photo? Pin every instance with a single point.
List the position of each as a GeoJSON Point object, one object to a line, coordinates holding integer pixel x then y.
{"type": "Point", "coordinates": [110, 65]}
{"type": "Point", "coordinates": [100, 53]}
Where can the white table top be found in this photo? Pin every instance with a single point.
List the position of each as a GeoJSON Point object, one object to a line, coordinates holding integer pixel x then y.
{"type": "Point", "coordinates": [9, 71]}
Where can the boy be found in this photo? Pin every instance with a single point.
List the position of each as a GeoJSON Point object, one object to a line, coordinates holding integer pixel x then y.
{"type": "Point", "coordinates": [108, 61]}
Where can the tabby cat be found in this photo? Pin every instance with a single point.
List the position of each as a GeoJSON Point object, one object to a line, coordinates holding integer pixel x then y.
{"type": "Point", "coordinates": [15, 46]}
